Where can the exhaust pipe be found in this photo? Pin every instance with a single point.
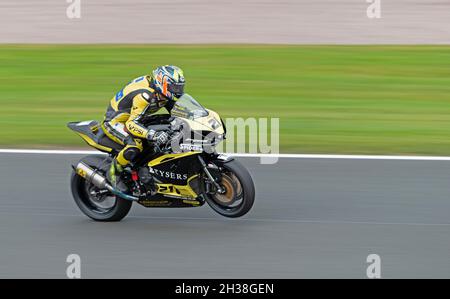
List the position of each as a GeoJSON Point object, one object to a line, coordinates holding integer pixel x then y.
{"type": "Point", "coordinates": [98, 180]}
{"type": "Point", "coordinates": [92, 176]}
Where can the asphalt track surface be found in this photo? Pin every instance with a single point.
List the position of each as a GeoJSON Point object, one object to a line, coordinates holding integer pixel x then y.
{"type": "Point", "coordinates": [313, 218]}
{"type": "Point", "coordinates": [230, 21]}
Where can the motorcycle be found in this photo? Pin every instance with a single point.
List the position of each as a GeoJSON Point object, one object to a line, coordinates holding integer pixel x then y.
{"type": "Point", "coordinates": [185, 172]}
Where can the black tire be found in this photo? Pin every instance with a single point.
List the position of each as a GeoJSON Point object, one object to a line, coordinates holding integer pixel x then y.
{"type": "Point", "coordinates": [248, 192]}
{"type": "Point", "coordinates": [83, 200]}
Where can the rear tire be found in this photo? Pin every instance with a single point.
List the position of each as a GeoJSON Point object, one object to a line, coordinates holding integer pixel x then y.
{"type": "Point", "coordinates": [85, 201]}
{"type": "Point", "coordinates": [246, 192]}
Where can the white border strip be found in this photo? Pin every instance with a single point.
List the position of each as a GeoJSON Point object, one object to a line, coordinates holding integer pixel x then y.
{"type": "Point", "coordinates": [51, 152]}
{"type": "Point", "coordinates": [353, 157]}
{"type": "Point", "coordinates": [294, 156]}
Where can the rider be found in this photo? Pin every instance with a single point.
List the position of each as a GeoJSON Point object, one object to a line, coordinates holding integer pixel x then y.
{"type": "Point", "coordinates": [141, 97]}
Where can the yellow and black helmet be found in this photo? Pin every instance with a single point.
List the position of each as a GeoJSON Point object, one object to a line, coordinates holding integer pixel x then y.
{"type": "Point", "coordinates": [169, 81]}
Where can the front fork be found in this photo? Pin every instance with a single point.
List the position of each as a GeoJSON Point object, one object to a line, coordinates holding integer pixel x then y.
{"type": "Point", "coordinates": [218, 187]}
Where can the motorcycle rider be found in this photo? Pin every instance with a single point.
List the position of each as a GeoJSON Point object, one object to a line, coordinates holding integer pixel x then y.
{"type": "Point", "coordinates": [141, 97]}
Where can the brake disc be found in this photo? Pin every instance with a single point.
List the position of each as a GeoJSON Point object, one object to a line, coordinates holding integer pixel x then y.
{"type": "Point", "coordinates": [230, 195]}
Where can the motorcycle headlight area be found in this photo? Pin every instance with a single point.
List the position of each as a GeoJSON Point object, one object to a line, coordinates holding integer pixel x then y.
{"type": "Point", "coordinates": [211, 138]}
{"type": "Point", "coordinates": [201, 140]}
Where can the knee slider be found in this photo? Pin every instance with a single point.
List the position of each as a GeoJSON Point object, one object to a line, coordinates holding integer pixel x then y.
{"type": "Point", "coordinates": [131, 153]}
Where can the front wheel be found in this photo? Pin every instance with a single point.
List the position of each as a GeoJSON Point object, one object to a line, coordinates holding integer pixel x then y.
{"type": "Point", "coordinates": [239, 191]}
{"type": "Point", "coordinates": [97, 204]}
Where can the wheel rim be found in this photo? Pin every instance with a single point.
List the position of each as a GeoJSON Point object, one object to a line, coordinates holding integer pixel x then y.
{"type": "Point", "coordinates": [99, 201]}
{"type": "Point", "coordinates": [238, 185]}
{"type": "Point", "coordinates": [232, 199]}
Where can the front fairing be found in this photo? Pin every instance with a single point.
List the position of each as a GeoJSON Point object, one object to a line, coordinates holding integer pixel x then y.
{"type": "Point", "coordinates": [196, 116]}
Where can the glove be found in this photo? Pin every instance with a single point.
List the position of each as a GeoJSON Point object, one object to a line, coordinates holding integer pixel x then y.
{"type": "Point", "coordinates": [161, 137]}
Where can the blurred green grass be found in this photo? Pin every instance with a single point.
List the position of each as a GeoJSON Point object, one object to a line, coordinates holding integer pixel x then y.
{"type": "Point", "coordinates": [330, 99]}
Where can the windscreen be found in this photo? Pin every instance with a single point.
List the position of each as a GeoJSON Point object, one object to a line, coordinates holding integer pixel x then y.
{"type": "Point", "coordinates": [187, 107]}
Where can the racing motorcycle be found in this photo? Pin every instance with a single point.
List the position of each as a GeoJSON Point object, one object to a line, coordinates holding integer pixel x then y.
{"type": "Point", "coordinates": [185, 172]}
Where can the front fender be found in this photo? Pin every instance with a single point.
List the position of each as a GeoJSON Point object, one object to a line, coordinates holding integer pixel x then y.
{"type": "Point", "coordinates": [220, 159]}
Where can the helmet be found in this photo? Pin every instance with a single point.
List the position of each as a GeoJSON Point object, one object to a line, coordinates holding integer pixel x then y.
{"type": "Point", "coordinates": [169, 81]}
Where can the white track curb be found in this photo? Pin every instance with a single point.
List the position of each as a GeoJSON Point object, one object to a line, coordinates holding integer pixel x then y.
{"type": "Point", "coordinates": [293, 156]}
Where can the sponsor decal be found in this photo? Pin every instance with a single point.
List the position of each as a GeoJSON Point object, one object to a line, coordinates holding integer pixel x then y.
{"type": "Point", "coordinates": [190, 147]}
{"type": "Point", "coordinates": [135, 129]}
{"type": "Point", "coordinates": [120, 128]}
{"type": "Point", "coordinates": [81, 173]}
{"type": "Point", "coordinates": [168, 174]}
{"type": "Point", "coordinates": [119, 95]}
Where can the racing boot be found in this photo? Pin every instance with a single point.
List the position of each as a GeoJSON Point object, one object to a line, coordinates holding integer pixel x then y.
{"type": "Point", "coordinates": [115, 177]}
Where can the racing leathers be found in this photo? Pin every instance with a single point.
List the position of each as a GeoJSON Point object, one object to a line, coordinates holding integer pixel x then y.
{"type": "Point", "coordinates": [122, 122]}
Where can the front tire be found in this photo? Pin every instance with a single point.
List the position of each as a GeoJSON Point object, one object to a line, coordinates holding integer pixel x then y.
{"type": "Point", "coordinates": [105, 208]}
{"type": "Point", "coordinates": [236, 177]}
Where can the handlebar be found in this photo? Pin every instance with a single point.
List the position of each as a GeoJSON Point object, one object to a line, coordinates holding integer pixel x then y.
{"type": "Point", "coordinates": [169, 129]}
{"type": "Point", "coordinates": [161, 127]}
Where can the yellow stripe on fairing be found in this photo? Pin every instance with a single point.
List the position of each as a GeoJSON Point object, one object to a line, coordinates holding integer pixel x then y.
{"type": "Point", "coordinates": [170, 157]}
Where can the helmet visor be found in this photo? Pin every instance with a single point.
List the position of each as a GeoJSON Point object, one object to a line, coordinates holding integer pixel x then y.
{"type": "Point", "coordinates": [177, 89]}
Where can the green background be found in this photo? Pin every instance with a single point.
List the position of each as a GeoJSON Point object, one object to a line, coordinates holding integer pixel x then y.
{"type": "Point", "coordinates": [330, 99]}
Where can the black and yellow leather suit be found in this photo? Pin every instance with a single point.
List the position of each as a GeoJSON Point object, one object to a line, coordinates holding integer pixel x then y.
{"type": "Point", "coordinates": [125, 111]}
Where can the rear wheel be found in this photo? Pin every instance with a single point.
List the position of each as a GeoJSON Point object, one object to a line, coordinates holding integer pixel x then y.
{"type": "Point", "coordinates": [97, 204]}
{"type": "Point", "coordinates": [239, 191]}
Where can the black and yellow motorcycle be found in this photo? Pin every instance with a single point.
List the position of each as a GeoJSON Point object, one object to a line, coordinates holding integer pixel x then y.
{"type": "Point", "coordinates": [185, 172]}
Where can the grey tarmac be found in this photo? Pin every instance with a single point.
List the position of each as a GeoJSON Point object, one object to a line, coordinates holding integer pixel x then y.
{"type": "Point", "coordinates": [313, 218]}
